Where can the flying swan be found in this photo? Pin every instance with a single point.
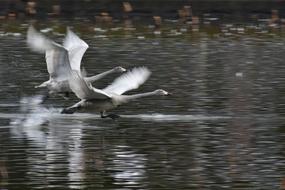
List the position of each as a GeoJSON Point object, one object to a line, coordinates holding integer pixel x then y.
{"type": "Point", "coordinates": [62, 59]}
{"type": "Point", "coordinates": [111, 96]}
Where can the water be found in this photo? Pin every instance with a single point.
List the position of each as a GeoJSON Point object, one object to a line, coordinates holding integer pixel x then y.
{"type": "Point", "coordinates": [222, 128]}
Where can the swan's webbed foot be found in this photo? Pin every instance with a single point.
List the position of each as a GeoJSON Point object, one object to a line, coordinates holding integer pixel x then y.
{"type": "Point", "coordinates": [112, 116]}
{"type": "Point", "coordinates": [69, 110]}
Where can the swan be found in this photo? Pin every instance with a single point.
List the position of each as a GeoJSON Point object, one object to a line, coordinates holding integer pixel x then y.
{"type": "Point", "coordinates": [111, 96]}
{"type": "Point", "coordinates": [62, 59]}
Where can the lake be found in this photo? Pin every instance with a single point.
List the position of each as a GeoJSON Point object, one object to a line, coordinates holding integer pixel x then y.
{"type": "Point", "coordinates": [222, 128]}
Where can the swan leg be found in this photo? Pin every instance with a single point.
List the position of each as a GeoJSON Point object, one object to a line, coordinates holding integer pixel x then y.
{"type": "Point", "coordinates": [74, 108]}
{"type": "Point", "coordinates": [70, 110]}
{"type": "Point", "coordinates": [112, 116]}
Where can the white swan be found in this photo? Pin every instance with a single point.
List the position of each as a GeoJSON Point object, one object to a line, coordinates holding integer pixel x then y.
{"type": "Point", "coordinates": [111, 96]}
{"type": "Point", "coordinates": [62, 59]}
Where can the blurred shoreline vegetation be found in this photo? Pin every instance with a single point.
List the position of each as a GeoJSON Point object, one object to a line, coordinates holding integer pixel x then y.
{"type": "Point", "coordinates": [145, 18]}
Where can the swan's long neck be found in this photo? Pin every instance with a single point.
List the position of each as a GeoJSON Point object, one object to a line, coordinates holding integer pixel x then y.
{"type": "Point", "coordinates": [127, 98]}
{"type": "Point", "coordinates": [99, 76]}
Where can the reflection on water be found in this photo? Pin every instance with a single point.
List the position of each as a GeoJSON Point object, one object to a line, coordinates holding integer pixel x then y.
{"type": "Point", "coordinates": [221, 129]}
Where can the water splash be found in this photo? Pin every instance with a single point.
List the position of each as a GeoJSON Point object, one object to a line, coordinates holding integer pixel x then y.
{"type": "Point", "coordinates": [34, 113]}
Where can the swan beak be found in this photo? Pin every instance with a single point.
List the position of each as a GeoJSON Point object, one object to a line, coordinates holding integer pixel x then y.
{"type": "Point", "coordinates": [168, 94]}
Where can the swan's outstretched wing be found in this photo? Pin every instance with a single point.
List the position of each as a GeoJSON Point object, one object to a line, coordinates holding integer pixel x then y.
{"type": "Point", "coordinates": [37, 41]}
{"type": "Point", "coordinates": [56, 55]}
{"type": "Point", "coordinates": [129, 81]}
{"type": "Point", "coordinates": [83, 90]}
{"type": "Point", "coordinates": [76, 48]}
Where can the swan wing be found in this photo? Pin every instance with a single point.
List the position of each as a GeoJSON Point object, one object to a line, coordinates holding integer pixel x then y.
{"type": "Point", "coordinates": [129, 81]}
{"type": "Point", "coordinates": [76, 48]}
{"type": "Point", "coordinates": [84, 90]}
{"type": "Point", "coordinates": [56, 55]}
{"type": "Point", "coordinates": [37, 41]}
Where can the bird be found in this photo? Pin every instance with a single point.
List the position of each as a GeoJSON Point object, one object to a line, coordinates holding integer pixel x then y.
{"type": "Point", "coordinates": [61, 59]}
{"type": "Point", "coordinates": [110, 97]}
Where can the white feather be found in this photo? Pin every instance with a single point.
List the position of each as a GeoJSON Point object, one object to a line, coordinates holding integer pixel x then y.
{"type": "Point", "coordinates": [38, 42]}
{"type": "Point", "coordinates": [129, 81]}
{"type": "Point", "coordinates": [56, 55]}
{"type": "Point", "coordinates": [83, 90]}
{"type": "Point", "coordinates": [76, 48]}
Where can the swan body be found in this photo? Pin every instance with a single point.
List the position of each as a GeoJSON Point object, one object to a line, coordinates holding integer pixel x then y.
{"type": "Point", "coordinates": [62, 86]}
{"type": "Point", "coordinates": [61, 60]}
{"type": "Point", "coordinates": [111, 96]}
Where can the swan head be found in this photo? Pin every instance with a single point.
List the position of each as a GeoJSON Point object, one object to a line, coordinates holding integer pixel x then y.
{"type": "Point", "coordinates": [162, 92]}
{"type": "Point", "coordinates": [119, 69]}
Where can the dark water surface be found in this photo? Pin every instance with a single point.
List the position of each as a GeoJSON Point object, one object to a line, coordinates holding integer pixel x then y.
{"type": "Point", "coordinates": [223, 128]}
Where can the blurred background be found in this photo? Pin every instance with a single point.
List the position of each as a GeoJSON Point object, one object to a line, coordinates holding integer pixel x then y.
{"type": "Point", "coordinates": [222, 128]}
{"type": "Point", "coordinates": [177, 16]}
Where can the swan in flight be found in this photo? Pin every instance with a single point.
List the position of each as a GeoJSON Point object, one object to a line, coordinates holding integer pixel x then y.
{"type": "Point", "coordinates": [111, 96]}
{"type": "Point", "coordinates": [62, 59]}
